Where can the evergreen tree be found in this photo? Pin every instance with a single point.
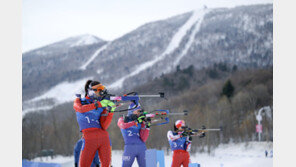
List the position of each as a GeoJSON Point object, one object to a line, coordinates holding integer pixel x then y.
{"type": "Point", "coordinates": [228, 89]}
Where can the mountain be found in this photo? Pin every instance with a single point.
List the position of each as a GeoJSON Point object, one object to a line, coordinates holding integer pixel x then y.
{"type": "Point", "coordinates": [241, 36]}
{"type": "Point", "coordinates": [52, 64]}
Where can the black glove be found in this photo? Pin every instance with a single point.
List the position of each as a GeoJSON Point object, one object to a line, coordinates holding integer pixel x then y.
{"type": "Point", "coordinates": [203, 134]}
{"type": "Point", "coordinates": [190, 138]}
{"type": "Point", "coordinates": [148, 122]}
{"type": "Point", "coordinates": [76, 165]}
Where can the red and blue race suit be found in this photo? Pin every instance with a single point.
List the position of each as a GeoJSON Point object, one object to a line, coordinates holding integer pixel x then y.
{"type": "Point", "coordinates": [135, 136]}
{"type": "Point", "coordinates": [77, 149]}
{"type": "Point", "coordinates": [180, 147]}
{"type": "Point", "coordinates": [93, 122]}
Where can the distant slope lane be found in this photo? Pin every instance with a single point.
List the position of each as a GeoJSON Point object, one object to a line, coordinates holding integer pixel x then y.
{"type": "Point", "coordinates": [83, 67]}
{"type": "Point", "coordinates": [174, 43]}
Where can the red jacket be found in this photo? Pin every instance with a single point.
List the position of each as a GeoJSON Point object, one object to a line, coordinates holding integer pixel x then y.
{"type": "Point", "coordinates": [105, 119]}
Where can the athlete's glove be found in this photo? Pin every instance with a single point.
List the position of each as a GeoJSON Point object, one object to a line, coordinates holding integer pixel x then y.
{"type": "Point", "coordinates": [203, 134]}
{"type": "Point", "coordinates": [141, 118]}
{"type": "Point", "coordinates": [148, 122]}
{"type": "Point", "coordinates": [190, 138]}
{"type": "Point", "coordinates": [76, 165]}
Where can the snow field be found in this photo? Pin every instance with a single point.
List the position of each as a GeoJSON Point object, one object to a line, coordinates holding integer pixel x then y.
{"type": "Point", "coordinates": [226, 155]}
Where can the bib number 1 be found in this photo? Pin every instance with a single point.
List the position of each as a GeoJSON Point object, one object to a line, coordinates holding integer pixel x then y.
{"type": "Point", "coordinates": [87, 119]}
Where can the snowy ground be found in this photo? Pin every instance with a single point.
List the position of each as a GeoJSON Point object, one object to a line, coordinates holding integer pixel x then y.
{"type": "Point", "coordinates": [227, 155]}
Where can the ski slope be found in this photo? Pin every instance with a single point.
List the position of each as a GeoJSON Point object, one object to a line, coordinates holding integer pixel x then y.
{"type": "Point", "coordinates": [226, 155]}
{"type": "Point", "coordinates": [174, 44]}
{"type": "Point", "coordinates": [83, 67]}
{"type": "Point", "coordinates": [200, 15]}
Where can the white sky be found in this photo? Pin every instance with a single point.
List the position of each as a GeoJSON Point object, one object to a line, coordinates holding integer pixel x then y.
{"type": "Point", "coordinates": [48, 21]}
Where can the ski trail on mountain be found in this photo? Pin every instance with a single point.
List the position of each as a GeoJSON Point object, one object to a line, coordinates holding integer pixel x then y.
{"type": "Point", "coordinates": [191, 38]}
{"type": "Point", "coordinates": [174, 43]}
{"type": "Point", "coordinates": [83, 67]}
{"type": "Point", "coordinates": [65, 91]}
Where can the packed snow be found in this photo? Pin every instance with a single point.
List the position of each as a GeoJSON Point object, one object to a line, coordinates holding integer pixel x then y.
{"type": "Point", "coordinates": [61, 93]}
{"type": "Point", "coordinates": [225, 155]}
{"type": "Point", "coordinates": [174, 43]}
{"type": "Point", "coordinates": [34, 109]}
{"type": "Point", "coordinates": [83, 67]}
{"type": "Point", "coordinates": [99, 71]}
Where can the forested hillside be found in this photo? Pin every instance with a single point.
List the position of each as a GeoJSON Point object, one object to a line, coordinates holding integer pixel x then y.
{"type": "Point", "coordinates": [218, 96]}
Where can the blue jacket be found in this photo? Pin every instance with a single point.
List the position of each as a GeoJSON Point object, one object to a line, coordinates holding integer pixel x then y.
{"type": "Point", "coordinates": [77, 149]}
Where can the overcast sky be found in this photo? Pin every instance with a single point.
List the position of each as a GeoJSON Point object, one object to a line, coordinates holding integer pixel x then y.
{"type": "Point", "coordinates": [48, 21]}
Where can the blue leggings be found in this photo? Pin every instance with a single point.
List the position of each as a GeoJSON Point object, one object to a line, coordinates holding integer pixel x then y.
{"type": "Point", "coordinates": [134, 151]}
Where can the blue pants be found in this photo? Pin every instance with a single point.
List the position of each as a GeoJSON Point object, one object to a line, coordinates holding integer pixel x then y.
{"type": "Point", "coordinates": [134, 151]}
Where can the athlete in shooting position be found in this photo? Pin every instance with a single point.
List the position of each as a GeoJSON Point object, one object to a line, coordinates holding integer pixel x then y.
{"type": "Point", "coordinates": [94, 115]}
{"type": "Point", "coordinates": [135, 132]}
{"type": "Point", "coordinates": [180, 142]}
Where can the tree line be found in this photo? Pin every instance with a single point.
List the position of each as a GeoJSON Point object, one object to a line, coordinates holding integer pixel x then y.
{"type": "Point", "coordinates": [218, 96]}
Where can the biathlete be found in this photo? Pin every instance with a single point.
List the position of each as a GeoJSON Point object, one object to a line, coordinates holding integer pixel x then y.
{"type": "Point", "coordinates": [135, 132]}
{"type": "Point", "coordinates": [94, 115]}
{"type": "Point", "coordinates": [180, 144]}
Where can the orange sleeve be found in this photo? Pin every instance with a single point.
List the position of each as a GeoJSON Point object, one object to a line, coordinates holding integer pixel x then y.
{"type": "Point", "coordinates": [78, 107]}
{"type": "Point", "coordinates": [106, 119]}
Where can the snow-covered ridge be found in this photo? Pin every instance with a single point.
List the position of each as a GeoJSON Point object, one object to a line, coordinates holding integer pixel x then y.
{"type": "Point", "coordinates": [86, 40]}
{"type": "Point", "coordinates": [174, 43]}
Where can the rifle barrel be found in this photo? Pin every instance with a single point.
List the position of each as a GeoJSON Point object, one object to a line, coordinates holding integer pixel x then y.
{"type": "Point", "coordinates": [209, 129]}
{"type": "Point", "coordinates": [177, 114]}
{"type": "Point", "coordinates": [149, 95]}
